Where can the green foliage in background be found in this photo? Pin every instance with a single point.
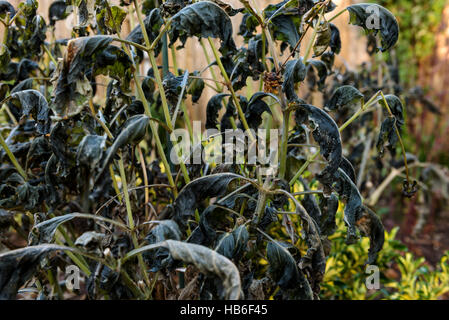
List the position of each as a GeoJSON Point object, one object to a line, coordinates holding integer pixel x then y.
{"type": "Point", "coordinates": [345, 271]}
{"type": "Point", "coordinates": [419, 21]}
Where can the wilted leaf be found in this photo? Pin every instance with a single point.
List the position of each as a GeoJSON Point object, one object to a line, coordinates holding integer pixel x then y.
{"type": "Point", "coordinates": [45, 231]}
{"type": "Point", "coordinates": [213, 107]}
{"type": "Point", "coordinates": [58, 10]}
{"type": "Point", "coordinates": [206, 260]}
{"type": "Point", "coordinates": [326, 133]}
{"type": "Point", "coordinates": [132, 132]}
{"type": "Point", "coordinates": [203, 19]}
{"type": "Point", "coordinates": [111, 18]}
{"type": "Point", "coordinates": [335, 43]}
{"type": "Point", "coordinates": [232, 245]}
{"type": "Point", "coordinates": [160, 258]}
{"type": "Point", "coordinates": [295, 71]}
{"type": "Point", "coordinates": [72, 85]}
{"type": "Point", "coordinates": [256, 106]}
{"type": "Point", "coordinates": [34, 103]}
{"type": "Point", "coordinates": [193, 193]}
{"type": "Point", "coordinates": [321, 68]}
{"type": "Point", "coordinates": [284, 270]}
{"type": "Point", "coordinates": [367, 15]}
{"type": "Point", "coordinates": [371, 226]}
{"type": "Point", "coordinates": [387, 132]}
{"type": "Point", "coordinates": [343, 96]}
{"type": "Point", "coordinates": [18, 266]}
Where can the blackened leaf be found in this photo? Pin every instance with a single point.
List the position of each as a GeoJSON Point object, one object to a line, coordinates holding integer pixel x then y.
{"type": "Point", "coordinates": [295, 71]}
{"type": "Point", "coordinates": [387, 132]}
{"type": "Point", "coordinates": [34, 103]}
{"type": "Point", "coordinates": [203, 19]}
{"type": "Point", "coordinates": [153, 23]}
{"type": "Point", "coordinates": [213, 107]}
{"type": "Point", "coordinates": [132, 132]}
{"type": "Point", "coordinates": [395, 105]}
{"type": "Point", "coordinates": [196, 87]}
{"type": "Point", "coordinates": [322, 40]}
{"type": "Point", "coordinates": [347, 167]}
{"type": "Point", "coordinates": [310, 204]}
{"type": "Point", "coordinates": [343, 96]}
{"type": "Point", "coordinates": [90, 151]}
{"type": "Point", "coordinates": [370, 226]}
{"type": "Point", "coordinates": [327, 135]}
{"type": "Point", "coordinates": [282, 25]}
{"type": "Point", "coordinates": [367, 15]}
{"type": "Point", "coordinates": [45, 231]}
{"type": "Point", "coordinates": [6, 7]}
{"type": "Point", "coordinates": [193, 193]}
{"type": "Point", "coordinates": [284, 270]}
{"type": "Point", "coordinates": [72, 83]}
{"type": "Point", "coordinates": [329, 207]}
{"type": "Point", "coordinates": [57, 11]}
{"type": "Point", "coordinates": [349, 193]}
{"type": "Point", "coordinates": [256, 106]}
{"type": "Point", "coordinates": [113, 61]}
{"type": "Point", "coordinates": [335, 43]}
{"type": "Point", "coordinates": [321, 68]}
{"type": "Point", "coordinates": [18, 266]}
{"type": "Point", "coordinates": [206, 260]}
{"type": "Point", "coordinates": [90, 239]}
{"type": "Point", "coordinates": [160, 258]}
{"type": "Point", "coordinates": [232, 245]}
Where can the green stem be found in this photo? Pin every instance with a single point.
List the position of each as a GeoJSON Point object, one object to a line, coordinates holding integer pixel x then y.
{"type": "Point", "coordinates": [284, 145]}
{"type": "Point", "coordinates": [231, 89]}
{"type": "Point", "coordinates": [13, 158]}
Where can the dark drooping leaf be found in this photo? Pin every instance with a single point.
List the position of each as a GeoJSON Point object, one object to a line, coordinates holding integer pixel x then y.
{"type": "Point", "coordinates": [366, 15]}
{"type": "Point", "coordinates": [349, 193]}
{"type": "Point", "coordinates": [160, 258]}
{"type": "Point", "coordinates": [34, 103]}
{"type": "Point", "coordinates": [72, 86]}
{"type": "Point", "coordinates": [18, 266]}
{"type": "Point", "coordinates": [284, 270]}
{"type": "Point", "coordinates": [90, 151]}
{"type": "Point", "coordinates": [153, 23]}
{"type": "Point", "coordinates": [232, 245]}
{"type": "Point", "coordinates": [323, 39]}
{"type": "Point", "coordinates": [207, 261]}
{"type": "Point", "coordinates": [335, 43]}
{"type": "Point", "coordinates": [45, 231]}
{"type": "Point", "coordinates": [192, 194]}
{"type": "Point", "coordinates": [328, 207]}
{"type": "Point", "coordinates": [282, 25]}
{"type": "Point", "coordinates": [6, 7]}
{"type": "Point", "coordinates": [387, 132]}
{"type": "Point", "coordinates": [213, 107]}
{"type": "Point", "coordinates": [347, 167]}
{"type": "Point", "coordinates": [256, 106]}
{"type": "Point", "coordinates": [295, 71]}
{"type": "Point", "coordinates": [371, 226]}
{"type": "Point", "coordinates": [203, 19]}
{"type": "Point", "coordinates": [395, 105]}
{"type": "Point", "coordinates": [343, 96]}
{"type": "Point", "coordinates": [57, 11]}
{"type": "Point", "coordinates": [132, 132]}
{"type": "Point", "coordinates": [326, 133]}
{"type": "Point", "coordinates": [321, 68]}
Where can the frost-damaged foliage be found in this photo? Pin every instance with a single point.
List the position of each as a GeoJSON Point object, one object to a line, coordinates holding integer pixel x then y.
{"type": "Point", "coordinates": [18, 266]}
{"type": "Point", "coordinates": [86, 149]}
{"type": "Point", "coordinates": [203, 19]}
{"type": "Point", "coordinates": [366, 15]}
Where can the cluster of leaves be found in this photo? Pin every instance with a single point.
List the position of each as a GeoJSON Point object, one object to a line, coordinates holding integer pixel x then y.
{"type": "Point", "coordinates": [402, 277]}
{"type": "Point", "coordinates": [79, 174]}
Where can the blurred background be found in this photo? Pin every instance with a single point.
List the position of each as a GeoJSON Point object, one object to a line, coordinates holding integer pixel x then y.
{"type": "Point", "coordinates": [421, 62]}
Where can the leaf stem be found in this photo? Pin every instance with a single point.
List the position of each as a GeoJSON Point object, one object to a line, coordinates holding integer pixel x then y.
{"type": "Point", "coordinates": [13, 158]}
